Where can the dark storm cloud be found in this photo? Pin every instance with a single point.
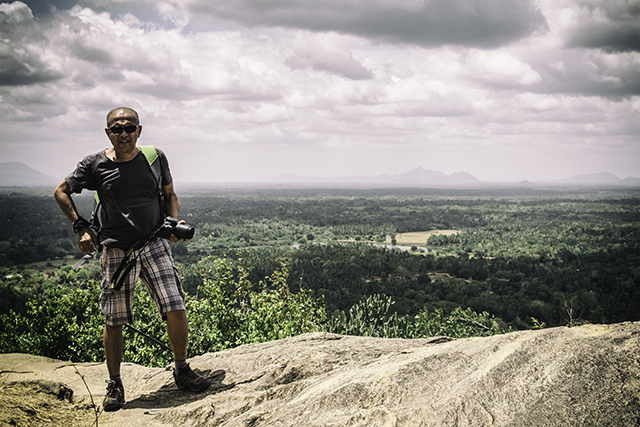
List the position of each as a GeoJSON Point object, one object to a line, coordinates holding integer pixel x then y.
{"type": "Point", "coordinates": [612, 38]}
{"type": "Point", "coordinates": [16, 71]}
{"type": "Point", "coordinates": [45, 7]}
{"type": "Point", "coordinates": [18, 65]}
{"type": "Point", "coordinates": [430, 23]}
{"type": "Point", "coordinates": [620, 32]}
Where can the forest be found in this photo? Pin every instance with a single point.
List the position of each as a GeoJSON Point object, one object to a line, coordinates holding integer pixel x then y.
{"type": "Point", "coordinates": [528, 257]}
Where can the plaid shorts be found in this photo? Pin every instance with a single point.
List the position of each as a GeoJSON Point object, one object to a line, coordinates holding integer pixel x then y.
{"type": "Point", "coordinates": [155, 267]}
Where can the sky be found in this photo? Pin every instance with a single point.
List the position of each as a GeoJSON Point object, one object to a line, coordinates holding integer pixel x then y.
{"type": "Point", "coordinates": [250, 90]}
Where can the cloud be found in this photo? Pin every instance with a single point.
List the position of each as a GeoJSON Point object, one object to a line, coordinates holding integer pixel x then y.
{"type": "Point", "coordinates": [321, 56]}
{"type": "Point", "coordinates": [18, 69]}
{"type": "Point", "coordinates": [589, 73]}
{"type": "Point", "coordinates": [610, 25]}
{"type": "Point", "coordinates": [431, 23]}
{"type": "Point", "coordinates": [21, 65]}
{"type": "Point", "coordinates": [90, 53]}
{"type": "Point", "coordinates": [500, 69]}
{"type": "Point", "coordinates": [263, 87]}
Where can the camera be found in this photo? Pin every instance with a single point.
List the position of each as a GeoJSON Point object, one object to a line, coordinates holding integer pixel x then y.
{"type": "Point", "coordinates": [171, 226]}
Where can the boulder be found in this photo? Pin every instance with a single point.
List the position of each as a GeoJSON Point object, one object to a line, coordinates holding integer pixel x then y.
{"type": "Point", "coordinates": [581, 376]}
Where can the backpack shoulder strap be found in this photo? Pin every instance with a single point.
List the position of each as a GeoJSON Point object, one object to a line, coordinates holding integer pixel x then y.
{"type": "Point", "coordinates": [153, 159]}
{"type": "Point", "coordinates": [151, 154]}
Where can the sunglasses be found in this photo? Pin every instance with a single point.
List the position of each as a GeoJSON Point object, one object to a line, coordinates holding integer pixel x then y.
{"type": "Point", "coordinates": [117, 129]}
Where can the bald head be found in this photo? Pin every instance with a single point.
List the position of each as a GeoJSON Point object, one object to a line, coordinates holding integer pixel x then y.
{"type": "Point", "coordinates": [121, 113]}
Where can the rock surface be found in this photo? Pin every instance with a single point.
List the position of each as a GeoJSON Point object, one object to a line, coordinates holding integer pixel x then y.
{"type": "Point", "coordinates": [581, 376]}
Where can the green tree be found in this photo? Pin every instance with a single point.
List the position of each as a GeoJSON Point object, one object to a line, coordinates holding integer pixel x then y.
{"type": "Point", "coordinates": [230, 312]}
{"type": "Point", "coordinates": [66, 326]}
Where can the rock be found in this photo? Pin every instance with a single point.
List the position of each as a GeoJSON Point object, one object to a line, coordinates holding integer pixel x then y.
{"type": "Point", "coordinates": [586, 376]}
{"type": "Point", "coordinates": [53, 388]}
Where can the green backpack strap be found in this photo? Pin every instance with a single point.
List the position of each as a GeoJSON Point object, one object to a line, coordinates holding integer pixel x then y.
{"type": "Point", "coordinates": [149, 152]}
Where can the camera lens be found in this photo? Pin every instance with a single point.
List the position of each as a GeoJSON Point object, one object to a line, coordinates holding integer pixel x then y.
{"type": "Point", "coordinates": [184, 231]}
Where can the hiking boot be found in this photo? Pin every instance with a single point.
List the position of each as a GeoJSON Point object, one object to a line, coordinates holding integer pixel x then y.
{"type": "Point", "coordinates": [114, 398]}
{"type": "Point", "coordinates": [188, 380]}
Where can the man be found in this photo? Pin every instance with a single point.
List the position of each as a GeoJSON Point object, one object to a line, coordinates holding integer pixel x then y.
{"type": "Point", "coordinates": [132, 206]}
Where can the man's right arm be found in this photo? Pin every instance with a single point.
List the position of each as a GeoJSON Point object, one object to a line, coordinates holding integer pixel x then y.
{"type": "Point", "coordinates": [87, 241]}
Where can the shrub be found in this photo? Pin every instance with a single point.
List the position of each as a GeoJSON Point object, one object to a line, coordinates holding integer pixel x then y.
{"type": "Point", "coordinates": [230, 312]}
{"type": "Point", "coordinates": [65, 326]}
{"type": "Point", "coordinates": [369, 317]}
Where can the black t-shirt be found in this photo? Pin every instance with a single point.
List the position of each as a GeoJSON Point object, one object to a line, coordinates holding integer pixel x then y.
{"type": "Point", "coordinates": [130, 205]}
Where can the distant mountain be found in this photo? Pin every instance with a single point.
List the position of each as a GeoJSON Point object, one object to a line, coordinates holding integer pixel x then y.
{"type": "Point", "coordinates": [602, 178]}
{"type": "Point", "coordinates": [458, 178]}
{"type": "Point", "coordinates": [599, 179]}
{"type": "Point", "coordinates": [429, 178]}
{"type": "Point", "coordinates": [417, 177]}
{"type": "Point", "coordinates": [17, 174]}
{"type": "Point", "coordinates": [631, 182]}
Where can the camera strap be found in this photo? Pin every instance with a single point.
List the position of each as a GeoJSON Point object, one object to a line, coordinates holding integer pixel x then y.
{"type": "Point", "coordinates": [127, 263]}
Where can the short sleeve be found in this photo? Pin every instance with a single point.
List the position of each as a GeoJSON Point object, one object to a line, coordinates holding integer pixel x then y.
{"type": "Point", "coordinates": [164, 166]}
{"type": "Point", "coordinates": [82, 177]}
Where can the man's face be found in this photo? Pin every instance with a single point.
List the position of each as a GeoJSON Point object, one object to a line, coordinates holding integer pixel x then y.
{"type": "Point", "coordinates": [120, 122]}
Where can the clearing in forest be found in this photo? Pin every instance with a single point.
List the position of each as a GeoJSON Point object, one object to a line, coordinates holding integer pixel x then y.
{"type": "Point", "coordinates": [419, 238]}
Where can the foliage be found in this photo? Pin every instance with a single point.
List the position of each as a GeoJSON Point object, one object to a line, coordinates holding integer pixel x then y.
{"type": "Point", "coordinates": [561, 256]}
{"type": "Point", "coordinates": [137, 348]}
{"type": "Point", "coordinates": [461, 323]}
{"type": "Point", "coordinates": [68, 325]}
{"type": "Point", "coordinates": [537, 324]}
{"type": "Point", "coordinates": [367, 318]}
{"type": "Point", "coordinates": [370, 317]}
{"type": "Point", "coordinates": [232, 311]}
{"type": "Point", "coordinates": [65, 325]}
{"type": "Point", "coordinates": [18, 286]}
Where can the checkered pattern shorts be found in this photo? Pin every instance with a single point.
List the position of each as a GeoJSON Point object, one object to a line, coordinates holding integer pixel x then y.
{"type": "Point", "coordinates": [156, 269]}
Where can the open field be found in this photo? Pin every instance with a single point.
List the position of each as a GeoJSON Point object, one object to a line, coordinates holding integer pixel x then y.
{"type": "Point", "coordinates": [419, 238]}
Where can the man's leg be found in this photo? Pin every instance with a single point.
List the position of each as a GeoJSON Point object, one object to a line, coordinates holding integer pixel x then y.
{"type": "Point", "coordinates": [161, 279]}
{"type": "Point", "coordinates": [178, 331]}
{"type": "Point", "coordinates": [112, 338]}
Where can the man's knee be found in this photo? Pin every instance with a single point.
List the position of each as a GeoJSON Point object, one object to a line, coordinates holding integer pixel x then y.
{"type": "Point", "coordinates": [179, 315]}
{"type": "Point", "coordinates": [113, 328]}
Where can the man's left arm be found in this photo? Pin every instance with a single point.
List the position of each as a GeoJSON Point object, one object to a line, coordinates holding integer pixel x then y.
{"type": "Point", "coordinates": [171, 201]}
{"type": "Point", "coordinates": [171, 205]}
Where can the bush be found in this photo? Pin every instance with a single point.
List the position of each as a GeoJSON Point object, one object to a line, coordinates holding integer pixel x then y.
{"type": "Point", "coordinates": [369, 317]}
{"type": "Point", "coordinates": [230, 312]}
{"type": "Point", "coordinates": [461, 323]}
{"type": "Point", "coordinates": [65, 326]}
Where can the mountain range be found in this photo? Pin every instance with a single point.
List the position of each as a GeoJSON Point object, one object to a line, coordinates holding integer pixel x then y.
{"type": "Point", "coordinates": [17, 174]}
{"type": "Point", "coordinates": [420, 177]}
